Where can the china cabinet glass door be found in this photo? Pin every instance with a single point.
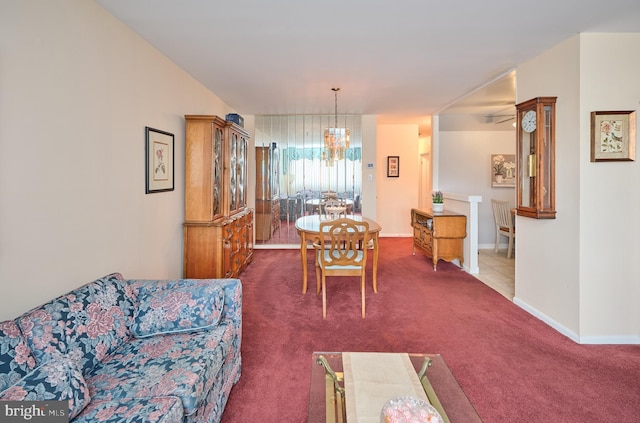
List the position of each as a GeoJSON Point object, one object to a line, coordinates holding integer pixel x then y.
{"type": "Point", "coordinates": [233, 170]}
{"type": "Point", "coordinates": [217, 171]}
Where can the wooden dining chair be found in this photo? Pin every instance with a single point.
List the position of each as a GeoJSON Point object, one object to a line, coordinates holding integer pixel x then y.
{"type": "Point", "coordinates": [504, 224]}
{"type": "Point", "coordinates": [333, 208]}
{"type": "Point", "coordinates": [338, 254]}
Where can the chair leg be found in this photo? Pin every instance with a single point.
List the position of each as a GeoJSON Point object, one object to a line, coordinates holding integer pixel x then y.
{"type": "Point", "coordinates": [362, 293]}
{"type": "Point", "coordinates": [510, 247]}
{"type": "Point", "coordinates": [324, 296]}
{"type": "Point", "coordinates": [317, 275]}
{"type": "Point", "coordinates": [495, 250]}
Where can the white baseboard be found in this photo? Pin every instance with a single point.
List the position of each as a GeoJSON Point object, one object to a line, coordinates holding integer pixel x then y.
{"type": "Point", "coordinates": [492, 246]}
{"type": "Point", "coordinates": [610, 340]}
{"type": "Point", "coordinates": [557, 326]}
{"type": "Point", "coordinates": [593, 340]}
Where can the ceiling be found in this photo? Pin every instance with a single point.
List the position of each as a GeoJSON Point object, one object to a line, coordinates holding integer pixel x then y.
{"type": "Point", "coordinates": [402, 61]}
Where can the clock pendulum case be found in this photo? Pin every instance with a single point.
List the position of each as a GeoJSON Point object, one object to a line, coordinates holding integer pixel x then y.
{"type": "Point", "coordinates": [535, 148]}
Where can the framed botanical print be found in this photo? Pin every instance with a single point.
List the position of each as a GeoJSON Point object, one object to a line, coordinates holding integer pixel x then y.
{"type": "Point", "coordinates": [613, 136]}
{"type": "Point", "coordinates": [159, 165]}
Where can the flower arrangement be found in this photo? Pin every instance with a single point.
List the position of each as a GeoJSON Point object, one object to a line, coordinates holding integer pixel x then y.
{"type": "Point", "coordinates": [509, 166]}
{"type": "Point", "coordinates": [498, 164]}
{"type": "Point", "coordinates": [611, 136]}
{"type": "Point", "coordinates": [437, 197]}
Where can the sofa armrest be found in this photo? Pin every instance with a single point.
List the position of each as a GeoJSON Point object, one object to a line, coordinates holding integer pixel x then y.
{"type": "Point", "coordinates": [232, 311]}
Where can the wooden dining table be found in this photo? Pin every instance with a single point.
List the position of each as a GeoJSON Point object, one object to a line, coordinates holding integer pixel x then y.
{"type": "Point", "coordinates": [308, 228]}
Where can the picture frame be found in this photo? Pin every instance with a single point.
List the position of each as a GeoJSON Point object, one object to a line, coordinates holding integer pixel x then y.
{"type": "Point", "coordinates": [393, 166]}
{"type": "Point", "coordinates": [159, 161]}
{"type": "Point", "coordinates": [613, 136]}
{"type": "Point", "coordinates": [503, 170]}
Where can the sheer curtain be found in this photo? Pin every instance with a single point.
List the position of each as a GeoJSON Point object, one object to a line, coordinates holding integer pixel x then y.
{"type": "Point", "coordinates": [302, 170]}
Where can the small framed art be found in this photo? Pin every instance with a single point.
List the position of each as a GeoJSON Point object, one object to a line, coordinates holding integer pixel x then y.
{"type": "Point", "coordinates": [613, 136]}
{"type": "Point", "coordinates": [503, 170]}
{"type": "Point", "coordinates": [159, 164]}
{"type": "Point", "coordinates": [393, 166]}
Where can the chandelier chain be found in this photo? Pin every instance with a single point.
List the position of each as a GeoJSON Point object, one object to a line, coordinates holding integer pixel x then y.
{"type": "Point", "coordinates": [335, 91]}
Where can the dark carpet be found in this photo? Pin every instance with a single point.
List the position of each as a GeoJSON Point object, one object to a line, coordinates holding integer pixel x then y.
{"type": "Point", "coordinates": [512, 366]}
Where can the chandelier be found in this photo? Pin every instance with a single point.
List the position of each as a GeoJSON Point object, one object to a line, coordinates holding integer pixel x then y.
{"type": "Point", "coordinates": [336, 140]}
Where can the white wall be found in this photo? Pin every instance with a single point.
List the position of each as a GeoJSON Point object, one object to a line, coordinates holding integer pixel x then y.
{"type": "Point", "coordinates": [609, 230]}
{"type": "Point", "coordinates": [547, 262]}
{"type": "Point", "coordinates": [465, 167]}
{"type": "Point", "coordinates": [579, 271]}
{"type": "Point", "coordinates": [369, 166]}
{"type": "Point", "coordinates": [397, 196]}
{"type": "Point", "coordinates": [78, 89]}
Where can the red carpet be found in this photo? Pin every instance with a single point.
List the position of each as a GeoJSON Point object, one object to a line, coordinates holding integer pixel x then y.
{"type": "Point", "coordinates": [512, 366]}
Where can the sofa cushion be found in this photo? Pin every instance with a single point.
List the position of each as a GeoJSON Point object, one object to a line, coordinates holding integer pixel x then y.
{"type": "Point", "coordinates": [179, 306]}
{"type": "Point", "coordinates": [16, 359]}
{"type": "Point", "coordinates": [129, 410]}
{"type": "Point", "coordinates": [87, 324]}
{"type": "Point", "coordinates": [55, 380]}
{"type": "Point", "coordinates": [182, 364]}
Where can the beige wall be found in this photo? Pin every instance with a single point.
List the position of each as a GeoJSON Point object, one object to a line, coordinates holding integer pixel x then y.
{"type": "Point", "coordinates": [78, 89]}
{"type": "Point", "coordinates": [396, 196]}
{"type": "Point", "coordinates": [609, 230]}
{"type": "Point", "coordinates": [465, 167]}
{"type": "Point", "coordinates": [369, 165]}
{"type": "Point", "coordinates": [547, 263]}
{"type": "Point", "coordinates": [579, 272]}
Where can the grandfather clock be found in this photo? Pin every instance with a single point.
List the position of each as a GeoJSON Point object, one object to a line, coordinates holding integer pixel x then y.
{"type": "Point", "coordinates": [536, 144]}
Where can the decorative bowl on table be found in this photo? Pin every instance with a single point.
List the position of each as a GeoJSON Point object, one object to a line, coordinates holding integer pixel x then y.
{"type": "Point", "coordinates": [408, 409]}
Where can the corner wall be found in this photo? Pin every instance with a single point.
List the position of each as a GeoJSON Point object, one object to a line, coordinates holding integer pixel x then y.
{"type": "Point", "coordinates": [78, 88]}
{"type": "Point", "coordinates": [610, 229]}
{"type": "Point", "coordinates": [547, 264]}
{"type": "Point", "coordinates": [579, 272]}
{"type": "Point", "coordinates": [397, 196]}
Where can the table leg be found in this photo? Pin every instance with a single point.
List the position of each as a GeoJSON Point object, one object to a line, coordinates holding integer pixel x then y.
{"type": "Point", "coordinates": [376, 250]}
{"type": "Point", "coordinates": [303, 254]}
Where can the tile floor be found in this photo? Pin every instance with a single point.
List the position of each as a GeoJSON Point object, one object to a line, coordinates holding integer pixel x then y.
{"type": "Point", "coordinates": [497, 271]}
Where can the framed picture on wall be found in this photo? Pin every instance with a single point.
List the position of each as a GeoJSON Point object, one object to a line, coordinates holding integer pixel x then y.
{"type": "Point", "coordinates": [613, 136]}
{"type": "Point", "coordinates": [159, 163]}
{"type": "Point", "coordinates": [503, 170]}
{"type": "Point", "coordinates": [393, 166]}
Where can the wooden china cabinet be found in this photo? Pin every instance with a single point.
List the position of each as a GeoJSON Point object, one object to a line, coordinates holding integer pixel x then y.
{"type": "Point", "coordinates": [218, 227]}
{"type": "Point", "coordinates": [267, 192]}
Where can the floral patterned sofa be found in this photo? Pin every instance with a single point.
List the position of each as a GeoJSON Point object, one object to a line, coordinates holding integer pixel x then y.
{"type": "Point", "coordinates": [129, 350]}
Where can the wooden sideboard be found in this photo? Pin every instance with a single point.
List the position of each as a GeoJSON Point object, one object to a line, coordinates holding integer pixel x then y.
{"type": "Point", "coordinates": [439, 235]}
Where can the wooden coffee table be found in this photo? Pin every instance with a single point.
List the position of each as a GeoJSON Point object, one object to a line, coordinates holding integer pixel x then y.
{"type": "Point", "coordinates": [325, 404]}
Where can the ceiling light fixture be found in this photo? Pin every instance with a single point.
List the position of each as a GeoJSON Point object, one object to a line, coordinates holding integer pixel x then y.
{"type": "Point", "coordinates": [336, 140]}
